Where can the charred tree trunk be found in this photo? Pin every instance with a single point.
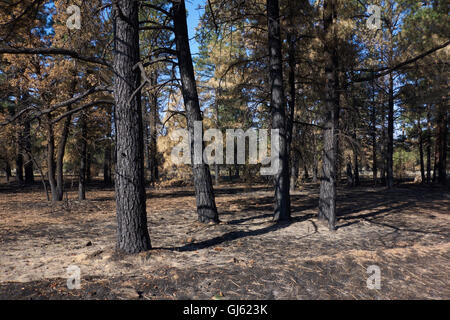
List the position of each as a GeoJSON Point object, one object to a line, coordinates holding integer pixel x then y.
{"type": "Point", "coordinates": [29, 174]}
{"type": "Point", "coordinates": [132, 231]}
{"type": "Point", "coordinates": [60, 158]}
{"type": "Point", "coordinates": [50, 158]}
{"type": "Point", "coordinates": [390, 136]}
{"type": "Point", "coordinates": [295, 164]}
{"type": "Point", "coordinates": [383, 146]}
{"type": "Point", "coordinates": [153, 133]}
{"type": "Point", "coordinates": [83, 158]}
{"type": "Point", "coordinates": [88, 165]}
{"type": "Point", "coordinates": [327, 200]}
{"type": "Point", "coordinates": [204, 193]}
{"type": "Point", "coordinates": [373, 116]}
{"type": "Point", "coordinates": [292, 151]}
{"type": "Point", "coordinates": [107, 177]}
{"type": "Point", "coordinates": [428, 144]}
{"type": "Point", "coordinates": [19, 157]}
{"type": "Point", "coordinates": [356, 162]}
{"type": "Point", "coordinates": [7, 171]}
{"type": "Point", "coordinates": [422, 164]}
{"type": "Point", "coordinates": [350, 179]}
{"type": "Point", "coordinates": [282, 210]}
{"type": "Point", "coordinates": [441, 145]}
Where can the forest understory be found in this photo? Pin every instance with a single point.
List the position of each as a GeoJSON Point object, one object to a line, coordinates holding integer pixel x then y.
{"type": "Point", "coordinates": [405, 231]}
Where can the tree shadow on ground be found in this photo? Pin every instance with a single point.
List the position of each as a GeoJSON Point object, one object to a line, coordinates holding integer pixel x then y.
{"type": "Point", "coordinates": [234, 235]}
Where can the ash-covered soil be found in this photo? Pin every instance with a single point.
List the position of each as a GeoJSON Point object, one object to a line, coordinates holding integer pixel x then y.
{"type": "Point", "coordinates": [404, 231]}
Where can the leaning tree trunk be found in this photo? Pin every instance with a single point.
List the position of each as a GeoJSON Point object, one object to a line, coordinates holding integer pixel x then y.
{"type": "Point", "coordinates": [327, 199]}
{"type": "Point", "coordinates": [204, 193]}
{"type": "Point", "coordinates": [282, 210]}
{"type": "Point", "coordinates": [132, 231]}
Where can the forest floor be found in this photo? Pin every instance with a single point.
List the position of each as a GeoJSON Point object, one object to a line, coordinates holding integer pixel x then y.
{"type": "Point", "coordinates": [404, 231]}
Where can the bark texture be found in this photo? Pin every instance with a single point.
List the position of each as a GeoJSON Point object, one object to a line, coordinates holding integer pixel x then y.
{"type": "Point", "coordinates": [132, 231]}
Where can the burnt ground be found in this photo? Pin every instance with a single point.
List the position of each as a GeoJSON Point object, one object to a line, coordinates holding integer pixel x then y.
{"type": "Point", "coordinates": [404, 231]}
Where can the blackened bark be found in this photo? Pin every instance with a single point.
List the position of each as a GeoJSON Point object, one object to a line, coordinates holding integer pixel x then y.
{"type": "Point", "coordinates": [107, 177]}
{"type": "Point", "coordinates": [373, 116]}
{"type": "Point", "coordinates": [422, 164]}
{"type": "Point", "coordinates": [88, 166]}
{"type": "Point", "coordinates": [441, 144]}
{"type": "Point", "coordinates": [350, 179]}
{"type": "Point", "coordinates": [50, 158]}
{"type": "Point", "coordinates": [132, 231]}
{"type": "Point", "coordinates": [7, 171]}
{"type": "Point", "coordinates": [383, 146]}
{"type": "Point", "coordinates": [204, 193]}
{"type": "Point", "coordinates": [60, 158]}
{"type": "Point", "coordinates": [356, 181]}
{"type": "Point", "coordinates": [390, 136]}
{"type": "Point", "coordinates": [295, 161]}
{"type": "Point", "coordinates": [327, 199]}
{"type": "Point", "coordinates": [292, 152]}
{"type": "Point", "coordinates": [29, 175]}
{"type": "Point", "coordinates": [83, 158]}
{"type": "Point", "coordinates": [428, 144]}
{"type": "Point", "coordinates": [19, 157]}
{"type": "Point", "coordinates": [153, 151]}
{"type": "Point", "coordinates": [282, 210]}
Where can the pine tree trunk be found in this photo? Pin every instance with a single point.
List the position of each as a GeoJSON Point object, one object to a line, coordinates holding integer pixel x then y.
{"type": "Point", "coordinates": [19, 157]}
{"type": "Point", "coordinates": [132, 230]}
{"type": "Point", "coordinates": [107, 179]}
{"type": "Point", "coordinates": [153, 132]}
{"type": "Point", "coordinates": [88, 166]}
{"type": "Point", "coordinates": [292, 151]}
{"type": "Point", "coordinates": [282, 210]}
{"type": "Point", "coordinates": [374, 136]}
{"type": "Point", "coordinates": [50, 158]}
{"type": "Point", "coordinates": [442, 144]}
{"type": "Point", "coordinates": [390, 136]}
{"type": "Point", "coordinates": [29, 175]}
{"type": "Point", "coordinates": [422, 164]}
{"type": "Point", "coordinates": [60, 159]}
{"type": "Point", "coordinates": [204, 193]}
{"type": "Point", "coordinates": [327, 199]}
{"type": "Point", "coordinates": [83, 159]}
{"type": "Point", "coordinates": [428, 144]}
{"type": "Point", "coordinates": [356, 162]}
{"type": "Point", "coordinates": [7, 171]}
